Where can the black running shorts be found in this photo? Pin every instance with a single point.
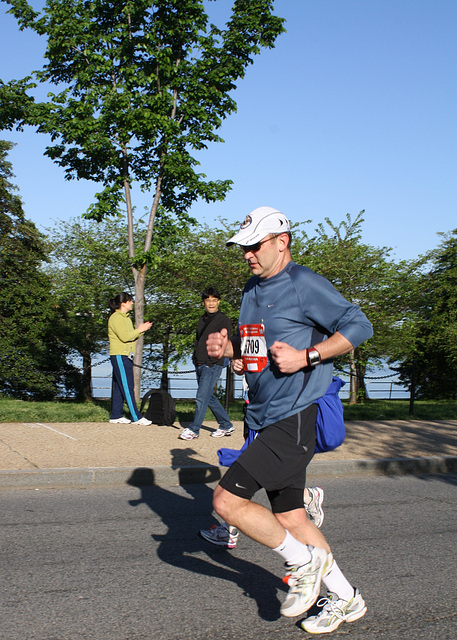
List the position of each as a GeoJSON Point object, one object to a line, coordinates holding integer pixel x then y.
{"type": "Point", "coordinates": [276, 461]}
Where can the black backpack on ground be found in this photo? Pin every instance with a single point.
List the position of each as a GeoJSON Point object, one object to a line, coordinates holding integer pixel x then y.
{"type": "Point", "coordinates": [161, 409]}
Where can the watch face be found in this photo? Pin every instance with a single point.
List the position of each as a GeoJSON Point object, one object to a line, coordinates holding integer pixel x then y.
{"type": "Point", "coordinates": [313, 357]}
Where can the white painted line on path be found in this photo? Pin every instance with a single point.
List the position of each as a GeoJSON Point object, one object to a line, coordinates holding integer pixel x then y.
{"type": "Point", "coordinates": [46, 426]}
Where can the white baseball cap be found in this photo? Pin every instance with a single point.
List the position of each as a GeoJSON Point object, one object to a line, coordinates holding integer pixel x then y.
{"type": "Point", "coordinates": [258, 224]}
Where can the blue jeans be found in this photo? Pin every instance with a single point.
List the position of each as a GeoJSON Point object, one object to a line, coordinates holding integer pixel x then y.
{"type": "Point", "coordinates": [207, 378]}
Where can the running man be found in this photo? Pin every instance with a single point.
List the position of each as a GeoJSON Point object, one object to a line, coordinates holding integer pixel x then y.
{"type": "Point", "coordinates": [292, 323]}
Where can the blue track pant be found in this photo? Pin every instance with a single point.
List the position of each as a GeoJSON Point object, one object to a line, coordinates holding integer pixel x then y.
{"type": "Point", "coordinates": [123, 388]}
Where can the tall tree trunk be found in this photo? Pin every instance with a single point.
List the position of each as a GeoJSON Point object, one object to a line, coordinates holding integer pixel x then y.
{"type": "Point", "coordinates": [231, 397]}
{"type": "Point", "coordinates": [229, 387]}
{"type": "Point", "coordinates": [353, 383]}
{"type": "Point", "coordinates": [140, 280]}
{"type": "Point", "coordinates": [84, 392]}
{"type": "Point", "coordinates": [165, 358]}
{"type": "Point", "coordinates": [139, 274]}
{"type": "Point", "coordinates": [362, 393]}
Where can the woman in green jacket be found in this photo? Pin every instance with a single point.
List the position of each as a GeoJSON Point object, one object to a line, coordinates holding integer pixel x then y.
{"type": "Point", "coordinates": [122, 346]}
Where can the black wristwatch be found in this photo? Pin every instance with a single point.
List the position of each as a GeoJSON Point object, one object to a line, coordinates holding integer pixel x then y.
{"type": "Point", "coordinates": [313, 357]}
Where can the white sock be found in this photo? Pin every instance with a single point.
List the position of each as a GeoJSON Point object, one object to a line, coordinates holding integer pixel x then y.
{"type": "Point", "coordinates": [335, 582]}
{"type": "Point", "coordinates": [293, 551]}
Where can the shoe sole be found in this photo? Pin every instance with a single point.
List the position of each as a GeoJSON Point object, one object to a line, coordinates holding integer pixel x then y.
{"type": "Point", "coordinates": [221, 435]}
{"type": "Point", "coordinates": [227, 545]}
{"type": "Point", "coordinates": [350, 618]}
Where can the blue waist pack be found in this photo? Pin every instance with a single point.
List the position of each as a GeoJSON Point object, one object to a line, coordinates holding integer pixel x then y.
{"type": "Point", "coordinates": [330, 429]}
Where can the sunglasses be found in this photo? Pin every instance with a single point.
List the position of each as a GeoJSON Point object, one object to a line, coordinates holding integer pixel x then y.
{"type": "Point", "coordinates": [254, 247]}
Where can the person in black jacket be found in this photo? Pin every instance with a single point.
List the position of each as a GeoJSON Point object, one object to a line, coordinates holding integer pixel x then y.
{"type": "Point", "coordinates": [208, 369]}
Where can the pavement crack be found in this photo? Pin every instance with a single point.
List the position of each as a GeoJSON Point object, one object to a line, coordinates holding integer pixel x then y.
{"type": "Point", "coordinates": [17, 453]}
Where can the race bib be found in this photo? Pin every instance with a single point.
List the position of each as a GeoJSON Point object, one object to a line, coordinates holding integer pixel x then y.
{"type": "Point", "coordinates": [253, 347]}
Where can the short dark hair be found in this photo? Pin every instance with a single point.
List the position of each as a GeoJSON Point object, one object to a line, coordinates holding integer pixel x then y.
{"type": "Point", "coordinates": [211, 292]}
{"type": "Point", "coordinates": [116, 302]}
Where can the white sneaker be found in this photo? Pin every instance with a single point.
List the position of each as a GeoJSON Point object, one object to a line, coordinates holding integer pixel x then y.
{"type": "Point", "coordinates": [221, 534]}
{"type": "Point", "coordinates": [120, 420]}
{"type": "Point", "coordinates": [220, 433]}
{"type": "Point", "coordinates": [143, 422]}
{"type": "Point", "coordinates": [188, 434]}
{"type": "Point", "coordinates": [305, 582]}
{"type": "Point", "coordinates": [334, 612]}
{"type": "Point", "coordinates": [314, 508]}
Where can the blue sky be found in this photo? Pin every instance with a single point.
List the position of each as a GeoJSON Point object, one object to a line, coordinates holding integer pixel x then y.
{"type": "Point", "coordinates": [355, 108]}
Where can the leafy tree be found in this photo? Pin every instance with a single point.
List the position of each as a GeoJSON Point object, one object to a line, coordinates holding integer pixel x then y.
{"type": "Point", "coordinates": [202, 259]}
{"type": "Point", "coordinates": [89, 264]}
{"type": "Point", "coordinates": [365, 275]}
{"type": "Point", "coordinates": [430, 365]}
{"type": "Point", "coordinates": [198, 258]}
{"type": "Point", "coordinates": [32, 359]}
{"type": "Point", "coordinates": [143, 85]}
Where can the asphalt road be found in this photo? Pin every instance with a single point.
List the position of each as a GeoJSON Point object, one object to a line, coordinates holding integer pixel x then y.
{"type": "Point", "coordinates": [126, 564]}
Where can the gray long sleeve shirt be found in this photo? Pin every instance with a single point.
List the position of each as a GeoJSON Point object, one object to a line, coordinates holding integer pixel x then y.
{"type": "Point", "coordinates": [300, 308]}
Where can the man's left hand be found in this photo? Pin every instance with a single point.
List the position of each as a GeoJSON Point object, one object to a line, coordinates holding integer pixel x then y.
{"type": "Point", "coordinates": [287, 358]}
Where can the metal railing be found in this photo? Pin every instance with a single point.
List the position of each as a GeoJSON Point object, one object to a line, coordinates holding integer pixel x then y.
{"type": "Point", "coordinates": [183, 386]}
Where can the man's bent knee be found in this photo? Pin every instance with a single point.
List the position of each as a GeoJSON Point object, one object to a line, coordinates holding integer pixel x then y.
{"type": "Point", "coordinates": [226, 504]}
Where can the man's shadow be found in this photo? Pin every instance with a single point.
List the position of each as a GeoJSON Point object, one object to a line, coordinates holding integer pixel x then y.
{"type": "Point", "coordinates": [179, 546]}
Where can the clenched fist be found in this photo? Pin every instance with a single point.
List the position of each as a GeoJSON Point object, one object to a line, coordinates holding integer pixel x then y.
{"type": "Point", "coordinates": [287, 358]}
{"type": "Point", "coordinates": [217, 344]}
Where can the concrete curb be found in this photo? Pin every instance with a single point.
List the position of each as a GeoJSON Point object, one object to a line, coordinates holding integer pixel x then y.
{"type": "Point", "coordinates": [384, 467]}
{"type": "Point", "coordinates": [175, 476]}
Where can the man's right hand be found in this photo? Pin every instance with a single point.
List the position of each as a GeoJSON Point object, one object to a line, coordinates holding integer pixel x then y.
{"type": "Point", "coordinates": [218, 345]}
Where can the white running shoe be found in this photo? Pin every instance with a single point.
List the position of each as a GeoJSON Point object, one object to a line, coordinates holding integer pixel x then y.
{"type": "Point", "coordinates": [314, 508]}
{"type": "Point", "coordinates": [143, 422]}
{"type": "Point", "coordinates": [334, 612]}
{"type": "Point", "coordinates": [219, 433]}
{"type": "Point", "coordinates": [223, 535]}
{"type": "Point", "coordinates": [188, 434]}
{"type": "Point", "coordinates": [120, 420]}
{"type": "Point", "coordinates": [305, 582]}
